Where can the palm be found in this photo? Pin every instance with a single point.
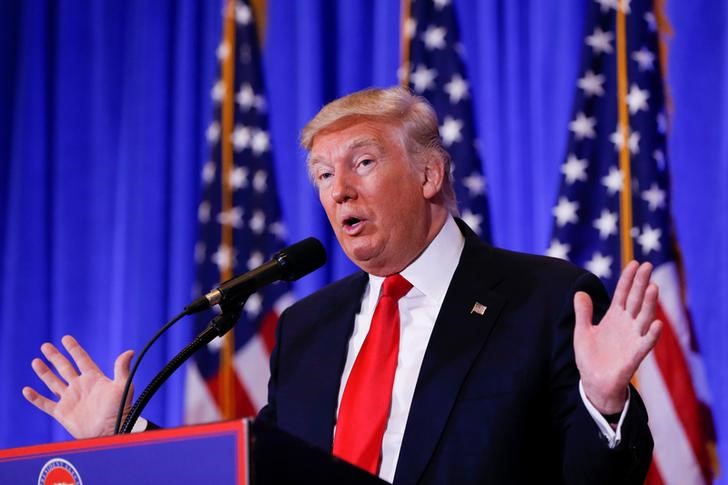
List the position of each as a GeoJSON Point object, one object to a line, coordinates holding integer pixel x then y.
{"type": "Point", "coordinates": [609, 354]}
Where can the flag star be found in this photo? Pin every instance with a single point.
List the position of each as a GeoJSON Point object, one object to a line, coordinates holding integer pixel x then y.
{"type": "Point", "coordinates": [257, 222]}
{"type": "Point", "coordinates": [617, 138]}
{"type": "Point", "coordinates": [450, 131]}
{"type": "Point", "coordinates": [254, 305]}
{"type": "Point", "coordinates": [215, 344]}
{"type": "Point", "coordinates": [592, 84]}
{"type": "Point", "coordinates": [260, 181]}
{"type": "Point", "coordinates": [600, 41]}
{"type": "Point", "coordinates": [222, 51]}
{"type": "Point", "coordinates": [218, 91]}
{"type": "Point", "coordinates": [600, 265]}
{"type": "Point", "coordinates": [255, 260]}
{"type": "Point", "coordinates": [439, 4]}
{"type": "Point", "coordinates": [606, 224]}
{"type": "Point", "coordinates": [243, 15]}
{"type": "Point", "coordinates": [200, 252]}
{"type": "Point", "coordinates": [613, 181]}
{"type": "Point", "coordinates": [558, 250]}
{"type": "Point", "coordinates": [475, 183]}
{"type": "Point", "coordinates": [208, 172]}
{"type": "Point", "coordinates": [434, 37]}
{"type": "Point", "coordinates": [213, 132]}
{"type": "Point", "coordinates": [565, 212]}
{"type": "Point", "coordinates": [644, 59]}
{"type": "Point", "coordinates": [225, 257]}
{"type": "Point", "coordinates": [651, 21]}
{"type": "Point", "coordinates": [241, 137]}
{"type": "Point", "coordinates": [232, 217]}
{"type": "Point", "coordinates": [260, 142]}
{"type": "Point", "coordinates": [607, 4]}
{"type": "Point", "coordinates": [637, 99]}
{"type": "Point", "coordinates": [583, 126]}
{"type": "Point", "coordinates": [203, 212]}
{"type": "Point", "coordinates": [574, 169]}
{"type": "Point", "coordinates": [422, 78]}
{"type": "Point", "coordinates": [245, 97]}
{"type": "Point", "coordinates": [238, 178]}
{"type": "Point", "coordinates": [655, 197]}
{"type": "Point", "coordinates": [649, 239]}
{"type": "Point", "coordinates": [457, 88]}
{"type": "Point", "coordinates": [659, 158]}
{"type": "Point", "coordinates": [278, 229]}
{"type": "Point", "coordinates": [473, 220]}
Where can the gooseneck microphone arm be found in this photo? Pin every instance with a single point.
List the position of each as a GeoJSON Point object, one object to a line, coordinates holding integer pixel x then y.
{"type": "Point", "coordinates": [218, 327]}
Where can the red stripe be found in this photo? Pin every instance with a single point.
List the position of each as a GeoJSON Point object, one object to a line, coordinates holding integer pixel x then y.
{"type": "Point", "coordinates": [268, 330]}
{"type": "Point", "coordinates": [243, 404]}
{"type": "Point", "coordinates": [676, 374]}
{"type": "Point", "coordinates": [653, 475]}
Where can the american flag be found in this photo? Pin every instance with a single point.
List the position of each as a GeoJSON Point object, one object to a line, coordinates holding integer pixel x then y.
{"type": "Point", "coordinates": [614, 205]}
{"type": "Point", "coordinates": [239, 228]}
{"type": "Point", "coordinates": [433, 68]}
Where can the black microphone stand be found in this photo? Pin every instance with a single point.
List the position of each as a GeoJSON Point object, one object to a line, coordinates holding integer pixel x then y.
{"type": "Point", "coordinates": [217, 327]}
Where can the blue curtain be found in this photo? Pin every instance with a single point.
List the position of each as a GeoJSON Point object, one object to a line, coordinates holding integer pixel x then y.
{"type": "Point", "coordinates": [103, 108]}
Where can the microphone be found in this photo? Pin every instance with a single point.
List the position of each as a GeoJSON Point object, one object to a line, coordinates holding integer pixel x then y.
{"type": "Point", "coordinates": [288, 264]}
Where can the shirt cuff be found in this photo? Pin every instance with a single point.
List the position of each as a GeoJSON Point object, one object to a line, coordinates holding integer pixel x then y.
{"type": "Point", "coordinates": [141, 424]}
{"type": "Point", "coordinates": [613, 435]}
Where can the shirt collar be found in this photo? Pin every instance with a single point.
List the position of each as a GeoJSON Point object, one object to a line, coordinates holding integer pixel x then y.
{"type": "Point", "coordinates": [432, 271]}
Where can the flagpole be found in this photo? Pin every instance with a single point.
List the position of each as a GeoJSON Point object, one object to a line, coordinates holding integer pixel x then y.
{"type": "Point", "coordinates": [405, 40]}
{"type": "Point", "coordinates": [625, 200]}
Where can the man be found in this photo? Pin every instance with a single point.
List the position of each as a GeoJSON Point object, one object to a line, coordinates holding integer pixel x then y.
{"type": "Point", "coordinates": [445, 360]}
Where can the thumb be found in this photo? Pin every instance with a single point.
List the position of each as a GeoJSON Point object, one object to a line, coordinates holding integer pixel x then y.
{"type": "Point", "coordinates": [583, 310]}
{"type": "Point", "coordinates": [121, 366]}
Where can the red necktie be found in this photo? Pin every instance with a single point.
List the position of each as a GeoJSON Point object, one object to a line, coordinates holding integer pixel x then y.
{"type": "Point", "coordinates": [364, 407]}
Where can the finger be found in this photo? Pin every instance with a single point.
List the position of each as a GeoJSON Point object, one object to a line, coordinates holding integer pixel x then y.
{"type": "Point", "coordinates": [64, 368]}
{"type": "Point", "coordinates": [41, 402]}
{"type": "Point", "coordinates": [49, 378]}
{"type": "Point", "coordinates": [637, 292]}
{"type": "Point", "coordinates": [649, 341]}
{"type": "Point", "coordinates": [80, 357]}
{"type": "Point", "coordinates": [583, 310]}
{"type": "Point", "coordinates": [649, 307]}
{"type": "Point", "coordinates": [624, 284]}
{"type": "Point", "coordinates": [121, 366]}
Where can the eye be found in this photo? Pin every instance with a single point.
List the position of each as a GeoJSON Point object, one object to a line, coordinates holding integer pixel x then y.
{"type": "Point", "coordinates": [364, 163]}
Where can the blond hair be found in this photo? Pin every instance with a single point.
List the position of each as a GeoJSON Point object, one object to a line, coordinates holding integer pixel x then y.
{"type": "Point", "coordinates": [398, 105]}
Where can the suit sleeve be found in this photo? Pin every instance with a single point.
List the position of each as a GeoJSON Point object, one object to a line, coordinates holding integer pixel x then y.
{"type": "Point", "coordinates": [586, 456]}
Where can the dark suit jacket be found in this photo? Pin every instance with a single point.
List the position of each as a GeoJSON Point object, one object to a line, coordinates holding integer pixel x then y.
{"type": "Point", "coordinates": [496, 400]}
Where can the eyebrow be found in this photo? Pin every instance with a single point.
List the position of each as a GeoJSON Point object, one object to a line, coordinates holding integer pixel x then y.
{"type": "Point", "coordinates": [353, 145]}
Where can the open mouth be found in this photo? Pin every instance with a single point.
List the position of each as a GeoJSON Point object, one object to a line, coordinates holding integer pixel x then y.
{"type": "Point", "coordinates": [352, 225]}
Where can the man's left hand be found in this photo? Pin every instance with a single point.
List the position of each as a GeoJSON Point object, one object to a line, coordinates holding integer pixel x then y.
{"type": "Point", "coordinates": [609, 354]}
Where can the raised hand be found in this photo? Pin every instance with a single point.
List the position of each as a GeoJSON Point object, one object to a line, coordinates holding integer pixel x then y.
{"type": "Point", "coordinates": [87, 400]}
{"type": "Point", "coordinates": [609, 354]}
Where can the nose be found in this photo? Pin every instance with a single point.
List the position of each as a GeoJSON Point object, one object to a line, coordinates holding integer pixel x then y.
{"type": "Point", "coordinates": [342, 188]}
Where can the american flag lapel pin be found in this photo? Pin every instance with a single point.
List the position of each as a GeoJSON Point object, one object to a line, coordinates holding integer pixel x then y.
{"type": "Point", "coordinates": [479, 308]}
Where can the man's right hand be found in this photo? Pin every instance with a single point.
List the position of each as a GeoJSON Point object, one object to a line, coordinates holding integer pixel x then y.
{"type": "Point", "coordinates": [87, 401]}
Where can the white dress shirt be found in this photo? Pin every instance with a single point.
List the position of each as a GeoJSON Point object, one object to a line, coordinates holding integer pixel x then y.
{"type": "Point", "coordinates": [430, 275]}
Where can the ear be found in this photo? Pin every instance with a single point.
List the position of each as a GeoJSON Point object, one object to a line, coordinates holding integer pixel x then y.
{"type": "Point", "coordinates": [433, 176]}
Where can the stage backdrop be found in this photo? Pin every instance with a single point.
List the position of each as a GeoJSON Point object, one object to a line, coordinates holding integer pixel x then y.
{"type": "Point", "coordinates": [103, 112]}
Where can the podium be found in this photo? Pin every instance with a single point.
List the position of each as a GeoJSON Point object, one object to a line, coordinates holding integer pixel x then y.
{"type": "Point", "coordinates": [233, 452]}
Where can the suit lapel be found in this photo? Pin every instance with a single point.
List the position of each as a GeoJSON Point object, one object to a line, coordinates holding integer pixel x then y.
{"type": "Point", "coordinates": [459, 335]}
{"type": "Point", "coordinates": [320, 395]}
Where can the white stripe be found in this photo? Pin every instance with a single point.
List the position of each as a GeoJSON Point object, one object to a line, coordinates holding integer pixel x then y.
{"type": "Point", "coordinates": [283, 302]}
{"type": "Point", "coordinates": [200, 406]}
{"type": "Point", "coordinates": [251, 365]}
{"type": "Point", "coordinates": [667, 279]}
{"type": "Point", "coordinates": [674, 456]}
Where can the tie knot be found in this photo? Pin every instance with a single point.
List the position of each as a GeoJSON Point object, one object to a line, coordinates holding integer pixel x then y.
{"type": "Point", "coordinates": [395, 286]}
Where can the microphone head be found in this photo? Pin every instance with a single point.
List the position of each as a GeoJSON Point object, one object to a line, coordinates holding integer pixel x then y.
{"type": "Point", "coordinates": [301, 258]}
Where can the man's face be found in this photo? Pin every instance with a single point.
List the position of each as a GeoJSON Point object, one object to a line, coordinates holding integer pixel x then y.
{"type": "Point", "coordinates": [375, 198]}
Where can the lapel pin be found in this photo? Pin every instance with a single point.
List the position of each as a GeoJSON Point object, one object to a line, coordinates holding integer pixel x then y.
{"type": "Point", "coordinates": [479, 308]}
